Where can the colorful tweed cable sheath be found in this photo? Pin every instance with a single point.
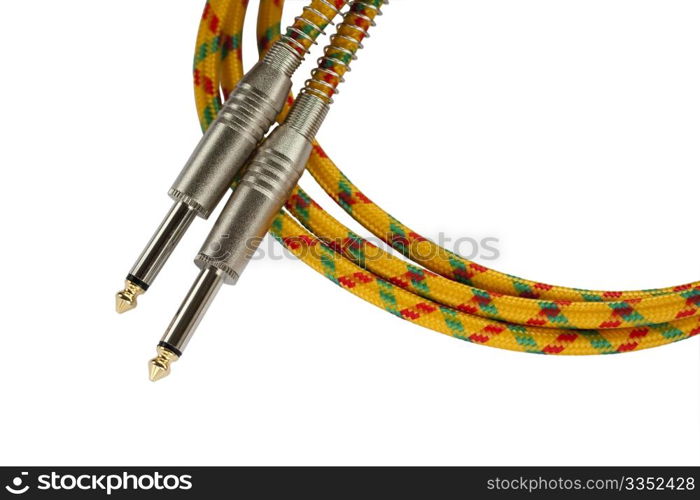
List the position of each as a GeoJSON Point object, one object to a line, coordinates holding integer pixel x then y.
{"type": "Point", "coordinates": [442, 291]}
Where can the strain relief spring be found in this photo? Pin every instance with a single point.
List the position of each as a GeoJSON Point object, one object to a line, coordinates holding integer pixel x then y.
{"type": "Point", "coordinates": [302, 35]}
{"type": "Point", "coordinates": [342, 50]}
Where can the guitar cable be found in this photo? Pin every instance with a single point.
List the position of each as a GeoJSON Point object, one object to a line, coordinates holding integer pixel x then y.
{"type": "Point", "coordinates": [432, 287]}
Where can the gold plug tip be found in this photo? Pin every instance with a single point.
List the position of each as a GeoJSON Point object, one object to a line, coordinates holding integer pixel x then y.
{"type": "Point", "coordinates": [159, 367]}
{"type": "Point", "coordinates": [126, 299]}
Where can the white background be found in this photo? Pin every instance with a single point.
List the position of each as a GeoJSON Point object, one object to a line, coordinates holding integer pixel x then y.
{"type": "Point", "coordinates": [567, 129]}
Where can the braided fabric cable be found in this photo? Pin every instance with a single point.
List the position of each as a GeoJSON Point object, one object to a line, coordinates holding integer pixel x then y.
{"type": "Point", "coordinates": [218, 60]}
{"type": "Point", "coordinates": [413, 308]}
{"type": "Point", "coordinates": [268, 25]}
{"type": "Point", "coordinates": [472, 300]}
{"type": "Point", "coordinates": [442, 261]}
{"type": "Point", "coordinates": [451, 295]}
{"type": "Point", "coordinates": [219, 34]}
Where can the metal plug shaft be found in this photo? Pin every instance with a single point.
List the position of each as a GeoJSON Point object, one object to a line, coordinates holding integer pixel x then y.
{"type": "Point", "coordinates": [185, 322]}
{"type": "Point", "coordinates": [154, 256]}
{"type": "Point", "coordinates": [271, 175]}
{"type": "Point", "coordinates": [222, 152]}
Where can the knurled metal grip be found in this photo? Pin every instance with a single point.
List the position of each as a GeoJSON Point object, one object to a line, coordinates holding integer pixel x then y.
{"type": "Point", "coordinates": [264, 188]}
{"type": "Point", "coordinates": [240, 125]}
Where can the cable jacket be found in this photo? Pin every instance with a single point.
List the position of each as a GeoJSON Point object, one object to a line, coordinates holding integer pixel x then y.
{"type": "Point", "coordinates": [441, 291]}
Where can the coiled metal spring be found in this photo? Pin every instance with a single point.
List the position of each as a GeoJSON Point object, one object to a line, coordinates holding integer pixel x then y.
{"type": "Point", "coordinates": [294, 43]}
{"type": "Point", "coordinates": [342, 50]}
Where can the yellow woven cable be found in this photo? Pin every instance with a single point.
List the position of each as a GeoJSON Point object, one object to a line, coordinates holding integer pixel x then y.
{"type": "Point", "coordinates": [535, 312]}
{"type": "Point", "coordinates": [468, 327]}
{"type": "Point", "coordinates": [458, 297]}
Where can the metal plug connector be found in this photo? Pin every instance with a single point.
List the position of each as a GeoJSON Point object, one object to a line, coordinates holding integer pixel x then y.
{"type": "Point", "coordinates": [221, 153]}
{"type": "Point", "coordinates": [159, 367]}
{"type": "Point", "coordinates": [126, 299]}
{"type": "Point", "coordinates": [264, 188]}
{"type": "Point", "coordinates": [188, 316]}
